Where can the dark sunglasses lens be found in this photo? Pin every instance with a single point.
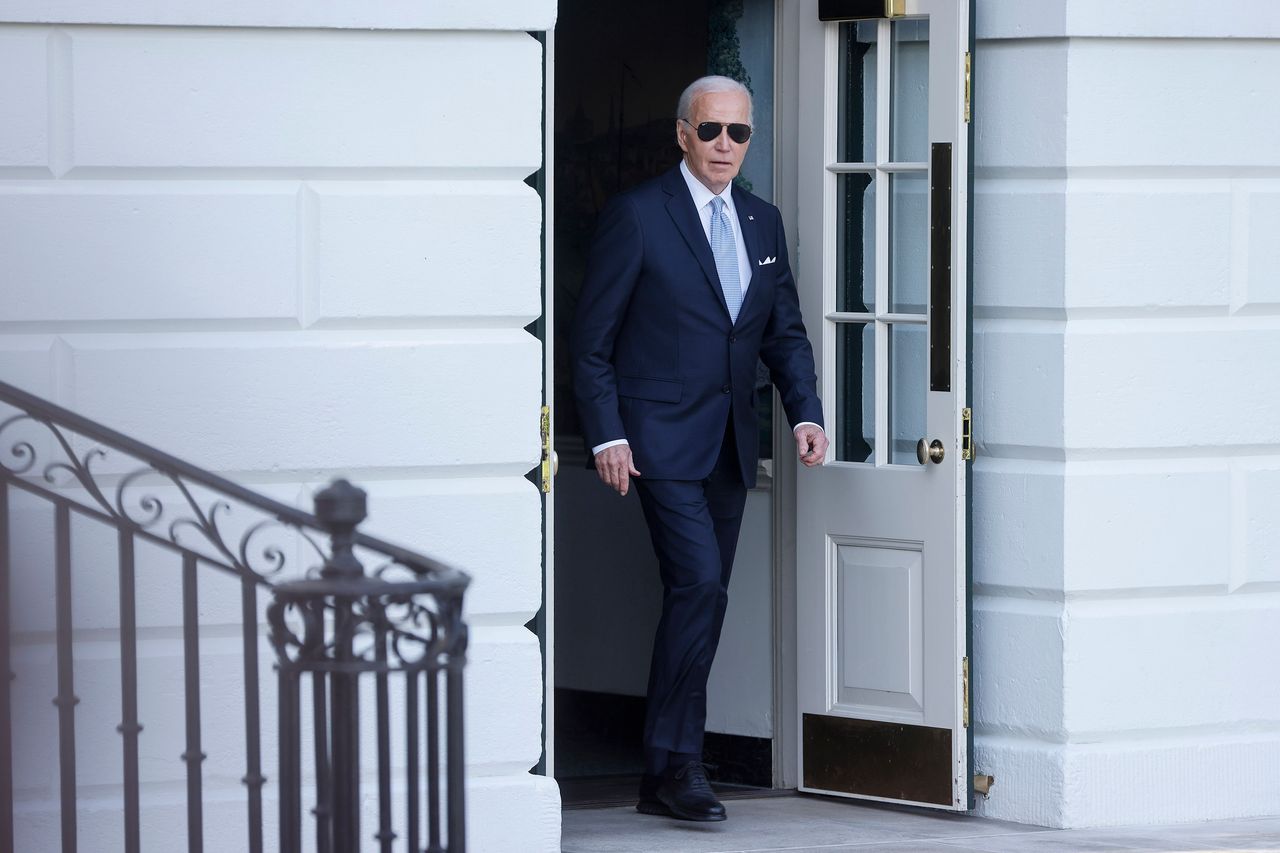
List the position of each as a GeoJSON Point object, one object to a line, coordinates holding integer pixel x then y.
{"type": "Point", "coordinates": [709, 130]}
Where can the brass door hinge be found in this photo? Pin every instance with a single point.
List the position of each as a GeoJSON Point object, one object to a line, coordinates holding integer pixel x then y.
{"type": "Point", "coordinates": [546, 449]}
{"type": "Point", "coordinates": [968, 86]}
{"type": "Point", "coordinates": [964, 670]}
{"type": "Point", "coordinates": [895, 8]}
{"type": "Point", "coordinates": [966, 434]}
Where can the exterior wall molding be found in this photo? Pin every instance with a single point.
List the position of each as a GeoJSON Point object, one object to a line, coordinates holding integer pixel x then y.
{"type": "Point", "coordinates": [380, 14]}
{"type": "Point", "coordinates": [1168, 19]}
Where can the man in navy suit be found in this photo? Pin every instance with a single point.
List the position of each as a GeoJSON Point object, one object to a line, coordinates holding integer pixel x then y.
{"type": "Point", "coordinates": [687, 287]}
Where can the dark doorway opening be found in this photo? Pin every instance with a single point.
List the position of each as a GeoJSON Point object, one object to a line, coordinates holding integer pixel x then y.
{"type": "Point", "coordinates": [619, 70]}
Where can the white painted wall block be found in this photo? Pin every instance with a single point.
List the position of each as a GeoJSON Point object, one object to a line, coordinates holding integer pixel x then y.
{"type": "Point", "coordinates": [503, 687]}
{"type": "Point", "coordinates": [428, 249]}
{"type": "Point", "coordinates": [1015, 19]}
{"type": "Point", "coordinates": [1020, 100]}
{"type": "Point", "coordinates": [1019, 385]}
{"type": "Point", "coordinates": [147, 251]}
{"type": "Point", "coordinates": [23, 96]}
{"type": "Point", "coordinates": [511, 813]}
{"type": "Point", "coordinates": [1030, 776]}
{"type": "Point", "coordinates": [1019, 254]}
{"type": "Point", "coordinates": [1172, 386]}
{"type": "Point", "coordinates": [1258, 520]}
{"type": "Point", "coordinates": [27, 362]}
{"type": "Point", "coordinates": [1148, 245]}
{"type": "Point", "coordinates": [1168, 104]}
{"type": "Point", "coordinates": [1148, 528]}
{"type": "Point", "coordinates": [486, 526]}
{"type": "Point", "coordinates": [165, 99]}
{"type": "Point", "coordinates": [326, 401]}
{"type": "Point", "coordinates": [1017, 517]}
{"type": "Point", "coordinates": [1019, 674]}
{"type": "Point", "coordinates": [1174, 663]}
{"type": "Point", "coordinates": [1170, 780]}
{"type": "Point", "coordinates": [1262, 262]}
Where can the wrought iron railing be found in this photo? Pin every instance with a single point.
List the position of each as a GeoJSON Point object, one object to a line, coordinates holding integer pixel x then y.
{"type": "Point", "coordinates": [333, 627]}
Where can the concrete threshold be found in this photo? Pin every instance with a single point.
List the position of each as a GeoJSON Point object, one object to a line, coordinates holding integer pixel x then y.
{"type": "Point", "coordinates": [806, 824]}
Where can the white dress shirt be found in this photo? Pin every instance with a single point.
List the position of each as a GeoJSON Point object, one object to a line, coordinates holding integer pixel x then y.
{"type": "Point", "coordinates": [702, 201]}
{"type": "Point", "coordinates": [702, 197]}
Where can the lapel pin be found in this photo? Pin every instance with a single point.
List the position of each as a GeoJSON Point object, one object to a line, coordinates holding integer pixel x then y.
{"type": "Point", "coordinates": [750, 217]}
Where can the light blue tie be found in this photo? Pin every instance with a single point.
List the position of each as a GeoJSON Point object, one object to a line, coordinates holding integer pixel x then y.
{"type": "Point", "coordinates": [725, 251]}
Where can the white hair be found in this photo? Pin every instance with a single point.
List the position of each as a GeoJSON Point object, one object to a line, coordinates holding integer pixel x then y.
{"type": "Point", "coordinates": [706, 86]}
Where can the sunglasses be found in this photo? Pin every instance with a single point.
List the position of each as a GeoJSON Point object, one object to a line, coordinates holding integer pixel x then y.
{"type": "Point", "coordinates": [710, 130]}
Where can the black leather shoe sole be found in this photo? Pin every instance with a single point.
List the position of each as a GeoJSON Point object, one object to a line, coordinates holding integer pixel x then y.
{"type": "Point", "coordinates": [653, 807]}
{"type": "Point", "coordinates": [682, 814]}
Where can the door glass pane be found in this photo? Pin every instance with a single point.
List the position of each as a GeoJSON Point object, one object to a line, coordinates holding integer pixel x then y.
{"type": "Point", "coordinates": [907, 390]}
{"type": "Point", "coordinates": [857, 124]}
{"type": "Point", "coordinates": [908, 241]}
{"type": "Point", "coordinates": [855, 242]}
{"type": "Point", "coordinates": [855, 391]}
{"type": "Point", "coordinates": [909, 104]}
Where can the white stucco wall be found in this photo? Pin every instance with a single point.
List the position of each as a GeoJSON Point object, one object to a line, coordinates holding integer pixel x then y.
{"type": "Point", "coordinates": [1127, 320]}
{"type": "Point", "coordinates": [284, 251]}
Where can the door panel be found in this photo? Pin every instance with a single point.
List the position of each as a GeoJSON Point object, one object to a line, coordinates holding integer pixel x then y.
{"type": "Point", "coordinates": [881, 576]}
{"type": "Point", "coordinates": [879, 605]}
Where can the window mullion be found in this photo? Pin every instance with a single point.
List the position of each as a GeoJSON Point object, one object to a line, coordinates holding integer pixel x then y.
{"type": "Point", "coordinates": [884, 68]}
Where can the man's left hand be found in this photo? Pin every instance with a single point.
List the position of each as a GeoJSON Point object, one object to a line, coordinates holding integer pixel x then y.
{"type": "Point", "coordinates": [811, 444]}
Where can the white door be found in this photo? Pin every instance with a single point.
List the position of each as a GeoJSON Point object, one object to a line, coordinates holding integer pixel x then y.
{"type": "Point", "coordinates": [881, 572]}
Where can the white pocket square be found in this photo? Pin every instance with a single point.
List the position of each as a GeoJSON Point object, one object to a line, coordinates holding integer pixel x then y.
{"type": "Point", "coordinates": [766, 261]}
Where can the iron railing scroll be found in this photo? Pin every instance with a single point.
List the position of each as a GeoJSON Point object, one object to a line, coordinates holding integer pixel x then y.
{"type": "Point", "coordinates": [397, 630]}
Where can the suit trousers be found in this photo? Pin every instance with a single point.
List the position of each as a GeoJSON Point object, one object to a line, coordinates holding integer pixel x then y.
{"type": "Point", "coordinates": [694, 527]}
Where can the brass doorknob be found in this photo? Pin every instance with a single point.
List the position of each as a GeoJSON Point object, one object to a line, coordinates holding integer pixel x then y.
{"type": "Point", "coordinates": [931, 452]}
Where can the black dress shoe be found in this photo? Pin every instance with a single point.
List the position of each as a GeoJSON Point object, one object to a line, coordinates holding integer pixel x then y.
{"type": "Point", "coordinates": [649, 802]}
{"type": "Point", "coordinates": [687, 794]}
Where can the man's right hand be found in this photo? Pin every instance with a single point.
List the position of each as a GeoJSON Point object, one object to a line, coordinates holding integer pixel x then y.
{"type": "Point", "coordinates": [615, 467]}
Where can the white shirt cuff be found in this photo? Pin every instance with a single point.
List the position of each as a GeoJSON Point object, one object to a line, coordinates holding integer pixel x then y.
{"type": "Point", "coordinates": [599, 447]}
{"type": "Point", "coordinates": [804, 423]}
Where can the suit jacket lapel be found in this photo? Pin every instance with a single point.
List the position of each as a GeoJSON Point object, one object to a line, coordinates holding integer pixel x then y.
{"type": "Point", "coordinates": [685, 215]}
{"type": "Point", "coordinates": [751, 239]}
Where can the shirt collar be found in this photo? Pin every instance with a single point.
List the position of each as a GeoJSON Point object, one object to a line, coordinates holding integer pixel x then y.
{"type": "Point", "coordinates": [701, 195]}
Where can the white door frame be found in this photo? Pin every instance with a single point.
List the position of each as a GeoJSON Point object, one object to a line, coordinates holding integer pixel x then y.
{"type": "Point", "coordinates": [786, 750]}
{"type": "Point", "coordinates": [549, 390]}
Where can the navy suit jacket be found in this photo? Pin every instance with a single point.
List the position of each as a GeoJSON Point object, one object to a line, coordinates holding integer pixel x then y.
{"type": "Point", "coordinates": [656, 359]}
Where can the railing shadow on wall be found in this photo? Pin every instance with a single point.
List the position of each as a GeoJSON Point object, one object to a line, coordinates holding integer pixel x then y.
{"type": "Point", "coordinates": [334, 628]}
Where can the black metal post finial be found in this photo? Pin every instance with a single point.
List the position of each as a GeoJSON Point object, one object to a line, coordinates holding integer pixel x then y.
{"type": "Point", "coordinates": [340, 507]}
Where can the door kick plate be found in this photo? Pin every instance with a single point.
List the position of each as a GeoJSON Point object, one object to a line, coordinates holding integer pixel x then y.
{"type": "Point", "coordinates": [895, 761]}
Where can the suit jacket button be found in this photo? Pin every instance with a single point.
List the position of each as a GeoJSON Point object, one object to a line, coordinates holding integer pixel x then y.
{"type": "Point", "coordinates": [733, 339]}
{"type": "Point", "coordinates": [725, 389]}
